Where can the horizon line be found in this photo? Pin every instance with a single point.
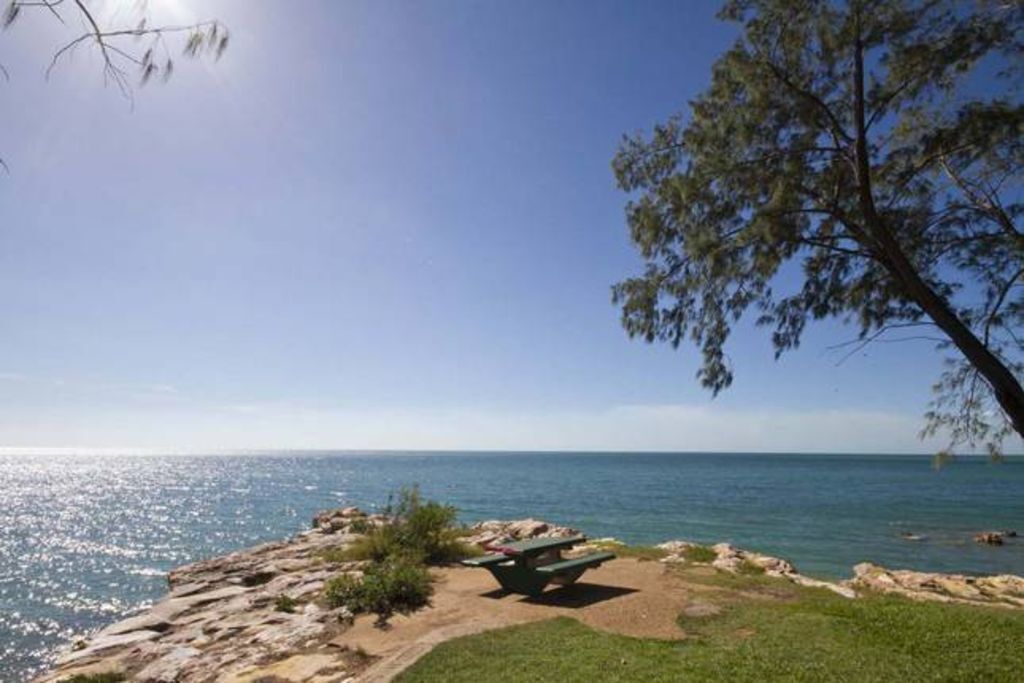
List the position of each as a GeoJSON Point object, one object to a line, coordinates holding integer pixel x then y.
{"type": "Point", "coordinates": [228, 451]}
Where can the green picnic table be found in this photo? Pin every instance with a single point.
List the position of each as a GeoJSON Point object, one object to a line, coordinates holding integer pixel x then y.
{"type": "Point", "coordinates": [527, 567]}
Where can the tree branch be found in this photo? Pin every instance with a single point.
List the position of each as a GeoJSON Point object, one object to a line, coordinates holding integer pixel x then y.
{"type": "Point", "coordinates": [836, 127]}
{"type": "Point", "coordinates": [988, 205]}
{"type": "Point", "coordinates": [861, 342]}
{"type": "Point", "coordinates": [998, 303]}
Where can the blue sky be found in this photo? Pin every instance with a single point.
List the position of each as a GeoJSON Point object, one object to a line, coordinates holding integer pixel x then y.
{"type": "Point", "coordinates": [378, 225]}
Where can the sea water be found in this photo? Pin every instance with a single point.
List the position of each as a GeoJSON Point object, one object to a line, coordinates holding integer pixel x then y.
{"type": "Point", "coordinates": [86, 539]}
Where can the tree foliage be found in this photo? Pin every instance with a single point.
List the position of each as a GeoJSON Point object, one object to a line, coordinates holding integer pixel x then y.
{"type": "Point", "coordinates": [140, 47]}
{"type": "Point", "coordinates": [875, 148]}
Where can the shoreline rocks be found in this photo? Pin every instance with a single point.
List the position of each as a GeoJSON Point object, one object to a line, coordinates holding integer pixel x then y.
{"type": "Point", "coordinates": [1004, 590]}
{"type": "Point", "coordinates": [738, 561]}
{"type": "Point", "coordinates": [495, 532]}
{"type": "Point", "coordinates": [220, 621]}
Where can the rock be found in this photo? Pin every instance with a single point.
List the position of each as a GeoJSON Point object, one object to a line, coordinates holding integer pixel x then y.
{"type": "Point", "coordinates": [989, 537]}
{"type": "Point", "coordinates": [701, 609]}
{"type": "Point", "coordinates": [293, 632]}
{"type": "Point", "coordinates": [343, 519]}
{"type": "Point", "coordinates": [838, 588]}
{"type": "Point", "coordinates": [299, 668]}
{"type": "Point", "coordinates": [110, 642]}
{"type": "Point", "coordinates": [738, 561]}
{"type": "Point", "coordinates": [1005, 590]}
{"type": "Point", "coordinates": [219, 622]}
{"type": "Point", "coordinates": [167, 669]}
{"type": "Point", "coordinates": [676, 549]}
{"type": "Point", "coordinates": [528, 528]}
{"type": "Point", "coordinates": [494, 532]}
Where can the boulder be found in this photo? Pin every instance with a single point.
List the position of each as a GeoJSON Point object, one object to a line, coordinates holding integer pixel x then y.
{"type": "Point", "coordinates": [990, 537]}
{"type": "Point", "coordinates": [735, 560]}
{"type": "Point", "coordinates": [494, 532]}
{"type": "Point", "coordinates": [1004, 591]}
{"type": "Point", "coordinates": [167, 669]}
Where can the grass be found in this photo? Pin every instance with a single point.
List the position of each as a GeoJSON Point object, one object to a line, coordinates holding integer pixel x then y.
{"type": "Point", "coordinates": [643, 553]}
{"type": "Point", "coordinates": [285, 603]}
{"type": "Point", "coordinates": [396, 585]}
{"type": "Point", "coordinates": [381, 544]}
{"type": "Point", "coordinates": [767, 630]}
{"type": "Point", "coordinates": [749, 568]}
{"type": "Point", "coordinates": [700, 553]}
{"type": "Point", "coordinates": [334, 555]}
{"type": "Point", "coordinates": [417, 533]}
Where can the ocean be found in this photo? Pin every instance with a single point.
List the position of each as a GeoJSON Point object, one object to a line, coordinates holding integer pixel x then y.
{"type": "Point", "coordinates": [86, 539]}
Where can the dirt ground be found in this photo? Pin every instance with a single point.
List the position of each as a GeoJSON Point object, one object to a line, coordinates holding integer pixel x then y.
{"type": "Point", "coordinates": [627, 596]}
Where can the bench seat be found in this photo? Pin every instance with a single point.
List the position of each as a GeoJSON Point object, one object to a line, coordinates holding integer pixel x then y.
{"type": "Point", "coordinates": [586, 561]}
{"type": "Point", "coordinates": [486, 560]}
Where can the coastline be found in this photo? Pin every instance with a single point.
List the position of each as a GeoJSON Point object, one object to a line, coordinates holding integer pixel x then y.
{"type": "Point", "coordinates": [218, 620]}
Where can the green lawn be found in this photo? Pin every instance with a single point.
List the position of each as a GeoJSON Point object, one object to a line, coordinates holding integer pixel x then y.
{"type": "Point", "coordinates": [766, 630]}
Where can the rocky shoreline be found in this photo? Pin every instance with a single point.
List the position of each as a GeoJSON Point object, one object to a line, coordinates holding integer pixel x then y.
{"type": "Point", "coordinates": [256, 614]}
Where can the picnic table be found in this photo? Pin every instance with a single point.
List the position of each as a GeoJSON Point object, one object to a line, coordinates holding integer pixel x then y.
{"type": "Point", "coordinates": [527, 567]}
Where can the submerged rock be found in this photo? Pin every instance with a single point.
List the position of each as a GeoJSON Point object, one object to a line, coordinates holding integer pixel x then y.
{"type": "Point", "coordinates": [990, 537]}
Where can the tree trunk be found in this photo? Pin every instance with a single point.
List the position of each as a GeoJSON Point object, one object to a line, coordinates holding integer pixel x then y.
{"type": "Point", "coordinates": [1005, 386]}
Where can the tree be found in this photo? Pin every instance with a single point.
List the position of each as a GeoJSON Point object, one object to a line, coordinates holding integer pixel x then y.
{"type": "Point", "coordinates": [139, 47]}
{"type": "Point", "coordinates": [874, 146]}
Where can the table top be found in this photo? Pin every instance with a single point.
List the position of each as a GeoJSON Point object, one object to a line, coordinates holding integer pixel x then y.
{"type": "Point", "coordinates": [536, 546]}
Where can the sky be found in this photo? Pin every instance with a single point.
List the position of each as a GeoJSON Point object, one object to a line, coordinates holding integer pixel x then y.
{"type": "Point", "coordinates": [378, 224]}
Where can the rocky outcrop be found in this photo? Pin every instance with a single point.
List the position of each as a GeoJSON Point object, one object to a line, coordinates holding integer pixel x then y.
{"type": "Point", "coordinates": [220, 620]}
{"type": "Point", "coordinates": [495, 532]}
{"type": "Point", "coordinates": [226, 620]}
{"type": "Point", "coordinates": [735, 560]}
{"type": "Point", "coordinates": [1005, 590]}
{"type": "Point", "coordinates": [350, 520]}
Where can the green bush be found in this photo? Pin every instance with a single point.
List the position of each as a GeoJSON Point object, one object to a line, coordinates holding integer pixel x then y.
{"type": "Point", "coordinates": [427, 528]}
{"type": "Point", "coordinates": [285, 603]}
{"type": "Point", "coordinates": [334, 555]}
{"type": "Point", "coordinates": [376, 546]}
{"type": "Point", "coordinates": [700, 553]}
{"type": "Point", "coordinates": [395, 585]}
{"type": "Point", "coordinates": [643, 553]}
{"type": "Point", "coordinates": [107, 677]}
{"type": "Point", "coordinates": [360, 525]}
{"type": "Point", "coordinates": [419, 530]}
{"type": "Point", "coordinates": [748, 568]}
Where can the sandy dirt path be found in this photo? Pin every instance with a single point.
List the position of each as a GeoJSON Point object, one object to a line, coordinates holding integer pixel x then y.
{"type": "Point", "coordinates": [624, 596]}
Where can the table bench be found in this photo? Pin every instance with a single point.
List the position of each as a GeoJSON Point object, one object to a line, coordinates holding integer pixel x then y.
{"type": "Point", "coordinates": [527, 567]}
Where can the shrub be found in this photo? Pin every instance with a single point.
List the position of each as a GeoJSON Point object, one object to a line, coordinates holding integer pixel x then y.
{"type": "Point", "coordinates": [396, 585]}
{"type": "Point", "coordinates": [285, 603]}
{"type": "Point", "coordinates": [106, 677]}
{"type": "Point", "coordinates": [643, 553]}
{"type": "Point", "coordinates": [748, 568]}
{"type": "Point", "coordinates": [427, 528]}
{"type": "Point", "coordinates": [376, 546]}
{"type": "Point", "coordinates": [700, 553]}
{"type": "Point", "coordinates": [420, 531]}
{"type": "Point", "coordinates": [333, 555]}
{"type": "Point", "coordinates": [360, 525]}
